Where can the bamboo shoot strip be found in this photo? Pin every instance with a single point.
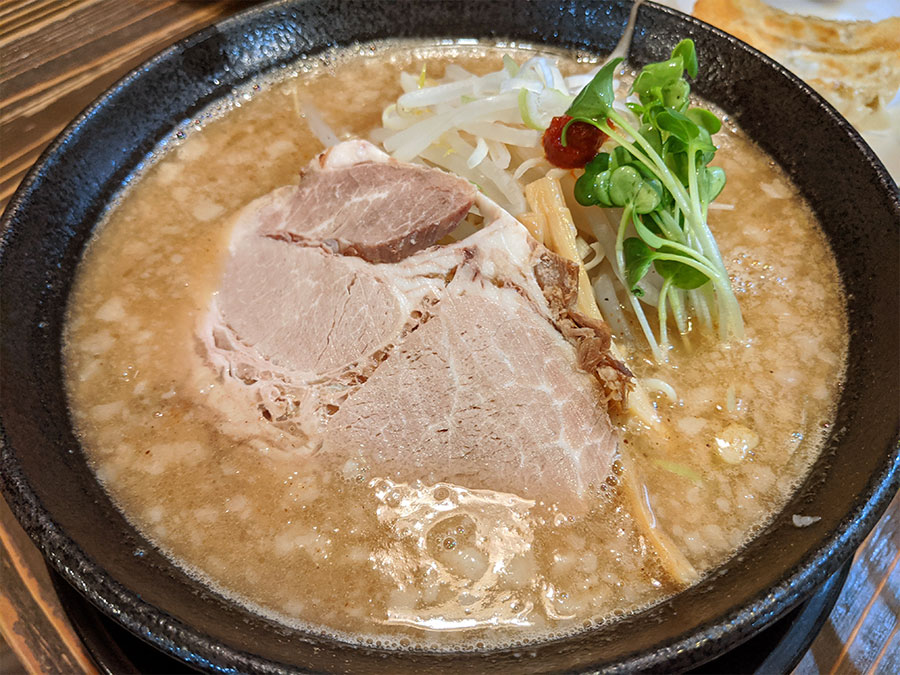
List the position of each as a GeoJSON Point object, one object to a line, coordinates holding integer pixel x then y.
{"type": "Point", "coordinates": [546, 202]}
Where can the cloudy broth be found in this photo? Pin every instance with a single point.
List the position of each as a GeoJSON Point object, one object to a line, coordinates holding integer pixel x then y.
{"type": "Point", "coordinates": [241, 506]}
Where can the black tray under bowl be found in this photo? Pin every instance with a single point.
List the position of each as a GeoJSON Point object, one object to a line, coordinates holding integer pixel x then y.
{"type": "Point", "coordinates": [57, 499]}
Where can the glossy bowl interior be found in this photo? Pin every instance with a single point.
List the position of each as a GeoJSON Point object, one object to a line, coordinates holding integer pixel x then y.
{"type": "Point", "coordinates": [49, 487]}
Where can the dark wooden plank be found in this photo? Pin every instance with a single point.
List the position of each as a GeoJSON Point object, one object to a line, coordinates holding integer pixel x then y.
{"type": "Point", "coordinates": [887, 661]}
{"type": "Point", "coordinates": [82, 44]}
{"type": "Point", "coordinates": [866, 614]}
{"type": "Point", "coordinates": [31, 621]}
{"type": "Point", "coordinates": [58, 57]}
{"type": "Point", "coordinates": [24, 17]}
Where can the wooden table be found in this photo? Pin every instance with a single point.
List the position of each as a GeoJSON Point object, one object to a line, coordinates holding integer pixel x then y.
{"type": "Point", "coordinates": [56, 56]}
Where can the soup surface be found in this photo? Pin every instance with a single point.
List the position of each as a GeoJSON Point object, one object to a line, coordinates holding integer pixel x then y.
{"type": "Point", "coordinates": [369, 560]}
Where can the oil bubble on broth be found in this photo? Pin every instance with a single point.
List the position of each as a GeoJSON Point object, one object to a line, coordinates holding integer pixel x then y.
{"type": "Point", "coordinates": [258, 515]}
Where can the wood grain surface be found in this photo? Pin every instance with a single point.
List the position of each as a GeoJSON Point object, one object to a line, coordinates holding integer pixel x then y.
{"type": "Point", "coordinates": [59, 55]}
{"type": "Point", "coordinates": [56, 56]}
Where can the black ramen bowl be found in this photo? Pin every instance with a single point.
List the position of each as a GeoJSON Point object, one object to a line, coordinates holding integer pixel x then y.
{"type": "Point", "coordinates": [60, 503]}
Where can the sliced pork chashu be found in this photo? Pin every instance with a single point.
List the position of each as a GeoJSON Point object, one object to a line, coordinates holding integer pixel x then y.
{"type": "Point", "coordinates": [486, 394]}
{"type": "Point", "coordinates": [298, 300]}
{"type": "Point", "coordinates": [455, 363]}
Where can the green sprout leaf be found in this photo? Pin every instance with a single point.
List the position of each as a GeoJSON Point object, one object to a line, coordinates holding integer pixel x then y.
{"type": "Point", "coordinates": [638, 258]}
{"type": "Point", "coordinates": [647, 236]}
{"type": "Point", "coordinates": [624, 185]}
{"type": "Point", "coordinates": [596, 99]}
{"type": "Point", "coordinates": [675, 153]}
{"type": "Point", "coordinates": [601, 187]}
{"type": "Point", "coordinates": [620, 157]}
{"type": "Point", "coordinates": [678, 125]}
{"type": "Point", "coordinates": [688, 54]}
{"type": "Point", "coordinates": [648, 197]}
{"type": "Point", "coordinates": [677, 95]}
{"type": "Point", "coordinates": [599, 164]}
{"type": "Point", "coordinates": [653, 137]}
{"type": "Point", "coordinates": [704, 144]}
{"type": "Point", "coordinates": [705, 119]}
{"type": "Point", "coordinates": [649, 83]}
{"type": "Point", "coordinates": [710, 182]}
{"type": "Point", "coordinates": [680, 274]}
{"type": "Point", "coordinates": [592, 189]}
{"type": "Point", "coordinates": [584, 189]}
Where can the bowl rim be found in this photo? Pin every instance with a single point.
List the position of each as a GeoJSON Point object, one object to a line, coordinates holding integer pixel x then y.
{"type": "Point", "coordinates": [192, 646]}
